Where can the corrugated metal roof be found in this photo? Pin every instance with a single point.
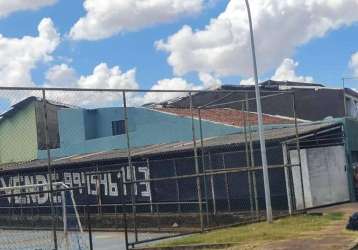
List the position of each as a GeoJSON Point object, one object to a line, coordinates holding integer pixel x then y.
{"type": "Point", "coordinates": [151, 150]}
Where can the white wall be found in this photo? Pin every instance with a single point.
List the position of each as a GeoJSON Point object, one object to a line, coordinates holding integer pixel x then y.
{"type": "Point", "coordinates": [352, 107]}
{"type": "Point", "coordinates": [297, 179]}
{"type": "Point", "coordinates": [324, 176]}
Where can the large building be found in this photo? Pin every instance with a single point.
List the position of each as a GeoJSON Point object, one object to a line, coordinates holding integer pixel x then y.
{"type": "Point", "coordinates": [76, 131]}
{"type": "Point", "coordinates": [85, 131]}
{"type": "Point", "coordinates": [313, 102]}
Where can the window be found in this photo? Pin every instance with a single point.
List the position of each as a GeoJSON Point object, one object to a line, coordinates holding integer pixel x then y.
{"type": "Point", "coordinates": [118, 127]}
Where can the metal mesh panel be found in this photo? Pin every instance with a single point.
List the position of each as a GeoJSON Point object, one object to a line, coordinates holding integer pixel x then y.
{"type": "Point", "coordinates": [17, 232]}
{"type": "Point", "coordinates": [155, 170]}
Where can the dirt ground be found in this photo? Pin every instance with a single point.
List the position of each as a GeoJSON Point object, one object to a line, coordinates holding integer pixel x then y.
{"type": "Point", "coordinates": [331, 238]}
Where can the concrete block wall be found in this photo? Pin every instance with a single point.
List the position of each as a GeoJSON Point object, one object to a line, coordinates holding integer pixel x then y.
{"type": "Point", "coordinates": [87, 131]}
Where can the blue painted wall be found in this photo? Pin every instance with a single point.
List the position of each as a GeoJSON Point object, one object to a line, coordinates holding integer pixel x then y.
{"type": "Point", "coordinates": [87, 131]}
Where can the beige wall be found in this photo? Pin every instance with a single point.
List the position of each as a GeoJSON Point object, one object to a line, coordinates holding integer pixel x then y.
{"type": "Point", "coordinates": [18, 136]}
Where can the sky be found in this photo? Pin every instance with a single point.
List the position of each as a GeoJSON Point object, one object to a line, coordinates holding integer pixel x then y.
{"type": "Point", "coordinates": [175, 44]}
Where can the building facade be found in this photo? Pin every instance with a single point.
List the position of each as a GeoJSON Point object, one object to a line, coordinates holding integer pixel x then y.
{"type": "Point", "coordinates": [22, 130]}
{"type": "Point", "coordinates": [85, 131]}
{"type": "Point", "coordinates": [77, 131]}
{"type": "Point", "coordinates": [312, 102]}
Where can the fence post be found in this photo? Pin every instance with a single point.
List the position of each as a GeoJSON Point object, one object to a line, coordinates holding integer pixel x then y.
{"type": "Point", "coordinates": [252, 160]}
{"type": "Point", "coordinates": [157, 215]}
{"type": "Point", "coordinates": [64, 216]}
{"type": "Point", "coordinates": [298, 149]}
{"type": "Point", "coordinates": [177, 185]}
{"type": "Point", "coordinates": [20, 198]}
{"type": "Point", "coordinates": [89, 228]}
{"type": "Point", "coordinates": [49, 168]}
{"type": "Point", "coordinates": [98, 191]}
{"type": "Point", "coordinates": [212, 185]}
{"type": "Point", "coordinates": [130, 166]}
{"type": "Point", "coordinates": [198, 181]}
{"type": "Point", "coordinates": [125, 228]}
{"type": "Point", "coordinates": [203, 167]}
{"type": "Point", "coordinates": [120, 185]}
{"type": "Point", "coordinates": [227, 186]}
{"type": "Point", "coordinates": [243, 108]}
{"type": "Point", "coordinates": [287, 179]}
{"type": "Point", "coordinates": [150, 187]}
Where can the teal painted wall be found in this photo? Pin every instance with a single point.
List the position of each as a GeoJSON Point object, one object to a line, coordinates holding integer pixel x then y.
{"type": "Point", "coordinates": [87, 131]}
{"type": "Point", "coordinates": [351, 129]}
{"type": "Point", "coordinates": [351, 139]}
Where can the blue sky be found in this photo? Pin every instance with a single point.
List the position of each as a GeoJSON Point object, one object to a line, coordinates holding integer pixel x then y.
{"type": "Point", "coordinates": [326, 58]}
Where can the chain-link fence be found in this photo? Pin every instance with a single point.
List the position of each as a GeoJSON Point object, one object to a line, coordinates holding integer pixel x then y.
{"type": "Point", "coordinates": [156, 164]}
{"type": "Point", "coordinates": [54, 226]}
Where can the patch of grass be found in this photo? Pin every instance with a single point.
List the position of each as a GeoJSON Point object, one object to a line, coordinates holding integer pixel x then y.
{"type": "Point", "coordinates": [281, 229]}
{"type": "Point", "coordinates": [335, 216]}
{"type": "Point", "coordinates": [351, 233]}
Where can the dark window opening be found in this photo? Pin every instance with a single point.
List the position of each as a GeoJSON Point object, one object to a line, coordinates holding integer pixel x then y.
{"type": "Point", "coordinates": [118, 127]}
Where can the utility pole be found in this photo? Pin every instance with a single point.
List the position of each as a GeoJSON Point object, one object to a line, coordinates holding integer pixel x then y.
{"type": "Point", "coordinates": [347, 78]}
{"type": "Point", "coordinates": [260, 122]}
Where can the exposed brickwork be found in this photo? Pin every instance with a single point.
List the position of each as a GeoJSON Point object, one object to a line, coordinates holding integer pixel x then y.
{"type": "Point", "coordinates": [228, 116]}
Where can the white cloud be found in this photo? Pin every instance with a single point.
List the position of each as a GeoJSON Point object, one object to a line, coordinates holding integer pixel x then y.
{"type": "Point", "coordinates": [166, 84]}
{"type": "Point", "coordinates": [20, 55]}
{"type": "Point", "coordinates": [105, 77]}
{"type": "Point", "coordinates": [354, 64]}
{"type": "Point", "coordinates": [9, 6]}
{"type": "Point", "coordinates": [61, 76]}
{"type": "Point", "coordinates": [223, 46]}
{"type": "Point", "coordinates": [207, 82]}
{"type": "Point", "coordinates": [287, 72]}
{"type": "Point", "coordinates": [249, 81]}
{"type": "Point", "coordinates": [102, 77]}
{"type": "Point", "coordinates": [105, 18]}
